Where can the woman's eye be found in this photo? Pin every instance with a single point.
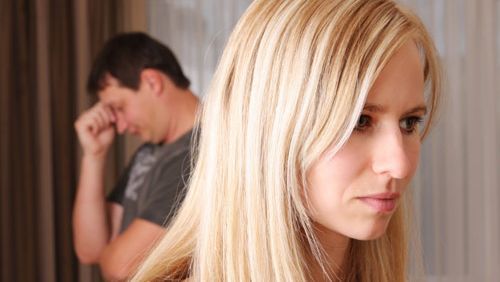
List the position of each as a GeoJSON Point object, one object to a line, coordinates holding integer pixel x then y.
{"type": "Point", "coordinates": [410, 125]}
{"type": "Point", "coordinates": [364, 122]}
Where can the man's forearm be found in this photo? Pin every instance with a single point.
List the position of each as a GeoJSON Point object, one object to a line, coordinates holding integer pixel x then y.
{"type": "Point", "coordinates": [90, 219]}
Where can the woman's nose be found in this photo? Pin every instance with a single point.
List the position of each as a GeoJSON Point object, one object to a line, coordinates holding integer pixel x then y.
{"type": "Point", "coordinates": [391, 156]}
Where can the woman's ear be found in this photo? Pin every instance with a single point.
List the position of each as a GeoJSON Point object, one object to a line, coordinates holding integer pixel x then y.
{"type": "Point", "coordinates": [151, 79]}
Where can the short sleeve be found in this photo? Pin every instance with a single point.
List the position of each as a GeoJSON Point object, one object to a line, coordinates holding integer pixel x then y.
{"type": "Point", "coordinates": [167, 189]}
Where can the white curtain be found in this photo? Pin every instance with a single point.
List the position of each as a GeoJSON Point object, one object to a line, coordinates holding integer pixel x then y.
{"type": "Point", "coordinates": [196, 31]}
{"type": "Point", "coordinates": [457, 186]}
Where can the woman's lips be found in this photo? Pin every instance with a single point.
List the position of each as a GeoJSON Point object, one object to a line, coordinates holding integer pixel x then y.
{"type": "Point", "coordinates": [385, 202]}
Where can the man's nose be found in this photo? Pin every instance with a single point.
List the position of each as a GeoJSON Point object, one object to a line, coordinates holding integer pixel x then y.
{"type": "Point", "coordinates": [391, 156]}
{"type": "Point", "coordinates": [121, 125]}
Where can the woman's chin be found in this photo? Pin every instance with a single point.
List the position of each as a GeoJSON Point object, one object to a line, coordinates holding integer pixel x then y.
{"type": "Point", "coordinates": [370, 232]}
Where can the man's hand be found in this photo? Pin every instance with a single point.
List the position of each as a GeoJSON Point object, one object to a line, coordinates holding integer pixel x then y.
{"type": "Point", "coordinates": [95, 130]}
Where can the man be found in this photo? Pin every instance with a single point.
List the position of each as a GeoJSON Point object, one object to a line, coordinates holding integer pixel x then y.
{"type": "Point", "coordinates": [143, 91]}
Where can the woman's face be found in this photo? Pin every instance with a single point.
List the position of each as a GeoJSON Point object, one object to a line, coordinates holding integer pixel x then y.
{"type": "Point", "coordinates": [355, 192]}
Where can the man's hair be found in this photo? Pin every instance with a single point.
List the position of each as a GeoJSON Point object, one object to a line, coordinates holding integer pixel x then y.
{"type": "Point", "coordinates": [126, 55]}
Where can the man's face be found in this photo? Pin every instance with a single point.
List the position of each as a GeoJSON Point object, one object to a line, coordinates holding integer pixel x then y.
{"type": "Point", "coordinates": [134, 110]}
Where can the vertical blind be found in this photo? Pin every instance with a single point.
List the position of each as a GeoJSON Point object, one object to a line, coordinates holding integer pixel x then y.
{"type": "Point", "coordinates": [457, 185]}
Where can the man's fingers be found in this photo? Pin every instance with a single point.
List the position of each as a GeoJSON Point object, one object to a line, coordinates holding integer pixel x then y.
{"type": "Point", "coordinates": [111, 114]}
{"type": "Point", "coordinates": [96, 119]}
{"type": "Point", "coordinates": [103, 118]}
{"type": "Point", "coordinates": [93, 128]}
{"type": "Point", "coordinates": [107, 115]}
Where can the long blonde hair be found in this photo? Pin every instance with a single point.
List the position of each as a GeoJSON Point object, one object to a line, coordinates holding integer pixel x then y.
{"type": "Point", "coordinates": [291, 84]}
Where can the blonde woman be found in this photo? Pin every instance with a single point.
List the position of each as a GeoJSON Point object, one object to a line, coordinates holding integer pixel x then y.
{"type": "Point", "coordinates": [309, 137]}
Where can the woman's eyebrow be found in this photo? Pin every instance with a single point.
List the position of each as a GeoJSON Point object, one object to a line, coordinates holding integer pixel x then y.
{"type": "Point", "coordinates": [376, 108]}
{"type": "Point", "coordinates": [418, 109]}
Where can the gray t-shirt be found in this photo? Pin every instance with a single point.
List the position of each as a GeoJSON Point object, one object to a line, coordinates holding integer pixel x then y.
{"type": "Point", "coordinates": [152, 185]}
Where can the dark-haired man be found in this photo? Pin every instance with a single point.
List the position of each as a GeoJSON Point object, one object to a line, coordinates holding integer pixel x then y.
{"type": "Point", "coordinates": [142, 91]}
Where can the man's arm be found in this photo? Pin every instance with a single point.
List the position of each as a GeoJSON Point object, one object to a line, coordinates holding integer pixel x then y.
{"type": "Point", "coordinates": [119, 255]}
{"type": "Point", "coordinates": [96, 223]}
{"type": "Point", "coordinates": [91, 226]}
{"type": "Point", "coordinates": [123, 255]}
{"type": "Point", "coordinates": [91, 222]}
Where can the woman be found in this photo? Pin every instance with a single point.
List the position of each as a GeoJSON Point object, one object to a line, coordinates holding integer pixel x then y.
{"type": "Point", "coordinates": [309, 137]}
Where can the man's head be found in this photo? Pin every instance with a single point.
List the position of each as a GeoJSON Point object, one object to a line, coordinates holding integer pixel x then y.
{"type": "Point", "coordinates": [132, 74]}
